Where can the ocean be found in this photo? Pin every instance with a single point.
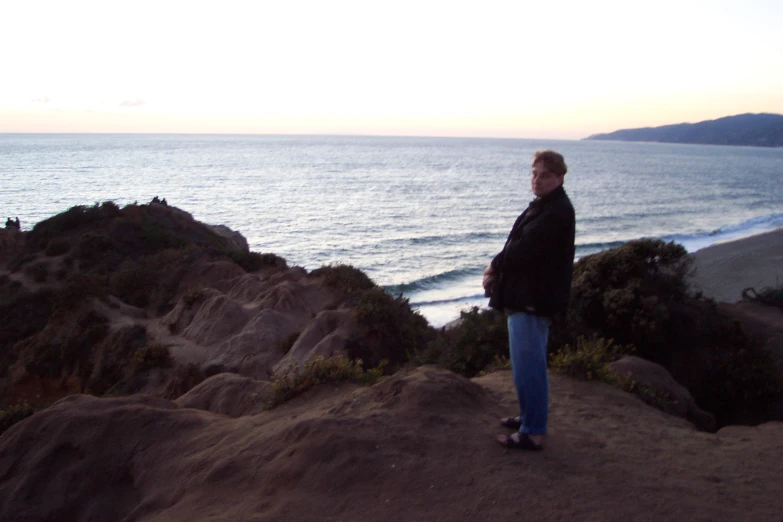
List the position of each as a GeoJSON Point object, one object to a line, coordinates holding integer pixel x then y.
{"type": "Point", "coordinates": [420, 216]}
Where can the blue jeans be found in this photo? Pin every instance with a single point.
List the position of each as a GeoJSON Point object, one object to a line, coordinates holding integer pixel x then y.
{"type": "Point", "coordinates": [527, 338]}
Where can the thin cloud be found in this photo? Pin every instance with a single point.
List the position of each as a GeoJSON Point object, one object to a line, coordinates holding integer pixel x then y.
{"type": "Point", "coordinates": [132, 103]}
{"type": "Point", "coordinates": [43, 100]}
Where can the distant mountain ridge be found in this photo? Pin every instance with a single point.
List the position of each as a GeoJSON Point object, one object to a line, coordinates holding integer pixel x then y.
{"type": "Point", "coordinates": [759, 130]}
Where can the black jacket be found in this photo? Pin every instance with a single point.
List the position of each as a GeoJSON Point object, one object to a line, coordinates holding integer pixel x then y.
{"type": "Point", "coordinates": [533, 271]}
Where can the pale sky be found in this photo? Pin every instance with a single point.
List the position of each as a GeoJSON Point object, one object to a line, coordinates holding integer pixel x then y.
{"type": "Point", "coordinates": [545, 69]}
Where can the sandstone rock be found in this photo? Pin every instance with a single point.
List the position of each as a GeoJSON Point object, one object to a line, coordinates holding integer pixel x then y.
{"type": "Point", "coordinates": [218, 318]}
{"type": "Point", "coordinates": [677, 400]}
{"type": "Point", "coordinates": [259, 346]}
{"type": "Point", "coordinates": [186, 309]}
{"type": "Point", "coordinates": [219, 275]}
{"type": "Point", "coordinates": [295, 297]}
{"type": "Point", "coordinates": [247, 288]}
{"type": "Point", "coordinates": [325, 336]}
{"type": "Point", "coordinates": [236, 239]}
{"type": "Point", "coordinates": [229, 394]}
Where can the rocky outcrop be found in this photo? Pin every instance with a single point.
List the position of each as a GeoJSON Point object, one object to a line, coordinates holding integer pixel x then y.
{"type": "Point", "coordinates": [229, 394]}
{"type": "Point", "coordinates": [146, 299]}
{"type": "Point", "coordinates": [663, 390]}
{"type": "Point", "coordinates": [417, 445]}
{"type": "Point", "coordinates": [236, 239]}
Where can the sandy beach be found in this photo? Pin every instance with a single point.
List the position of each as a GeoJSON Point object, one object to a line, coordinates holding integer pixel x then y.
{"type": "Point", "coordinates": [722, 271]}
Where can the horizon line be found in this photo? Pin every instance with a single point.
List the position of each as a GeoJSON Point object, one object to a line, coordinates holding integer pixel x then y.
{"type": "Point", "coordinates": [347, 135]}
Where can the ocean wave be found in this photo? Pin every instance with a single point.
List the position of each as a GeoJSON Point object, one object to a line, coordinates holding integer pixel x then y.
{"type": "Point", "coordinates": [453, 238]}
{"type": "Point", "coordinates": [434, 281]}
{"type": "Point", "coordinates": [454, 300]}
{"type": "Point", "coordinates": [590, 248]}
{"type": "Point", "coordinates": [697, 240]}
{"type": "Point", "coordinates": [749, 227]}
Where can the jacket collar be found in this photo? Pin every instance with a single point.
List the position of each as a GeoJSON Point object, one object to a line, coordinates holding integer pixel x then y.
{"type": "Point", "coordinates": [539, 202]}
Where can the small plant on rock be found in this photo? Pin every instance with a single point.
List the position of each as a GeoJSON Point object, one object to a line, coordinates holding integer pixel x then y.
{"type": "Point", "coordinates": [321, 370]}
{"type": "Point", "coordinates": [13, 414]}
{"type": "Point", "coordinates": [588, 360]}
{"type": "Point", "coordinates": [153, 355]}
{"type": "Point", "coordinates": [253, 261]}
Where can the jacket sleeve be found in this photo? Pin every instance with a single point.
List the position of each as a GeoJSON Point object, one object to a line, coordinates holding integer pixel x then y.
{"type": "Point", "coordinates": [497, 261]}
{"type": "Point", "coordinates": [535, 242]}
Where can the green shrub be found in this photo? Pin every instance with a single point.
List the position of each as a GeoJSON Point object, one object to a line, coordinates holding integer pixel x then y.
{"type": "Point", "coordinates": [192, 296]}
{"type": "Point", "coordinates": [767, 296]}
{"type": "Point", "coordinates": [19, 261]}
{"type": "Point", "coordinates": [24, 315]}
{"type": "Point", "coordinates": [389, 329]}
{"type": "Point", "coordinates": [663, 402]}
{"type": "Point", "coordinates": [117, 389]}
{"type": "Point", "coordinates": [479, 339]}
{"type": "Point", "coordinates": [321, 370]}
{"type": "Point", "coordinates": [13, 414]}
{"type": "Point", "coordinates": [742, 377]}
{"type": "Point", "coordinates": [588, 360]}
{"type": "Point", "coordinates": [154, 237]}
{"type": "Point", "coordinates": [57, 247]}
{"type": "Point", "coordinates": [346, 280]}
{"type": "Point", "coordinates": [626, 294]}
{"type": "Point", "coordinates": [38, 272]}
{"type": "Point", "coordinates": [638, 295]}
{"type": "Point", "coordinates": [133, 281]}
{"type": "Point", "coordinates": [253, 261]}
{"type": "Point", "coordinates": [154, 355]}
{"type": "Point", "coordinates": [47, 360]}
{"type": "Point", "coordinates": [78, 350]}
{"type": "Point", "coordinates": [80, 286]}
{"type": "Point", "coordinates": [97, 252]}
{"type": "Point", "coordinates": [74, 218]}
{"type": "Point", "coordinates": [116, 360]}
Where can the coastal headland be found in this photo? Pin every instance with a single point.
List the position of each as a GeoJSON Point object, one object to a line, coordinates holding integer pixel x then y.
{"type": "Point", "coordinates": [152, 368]}
{"type": "Point", "coordinates": [755, 130]}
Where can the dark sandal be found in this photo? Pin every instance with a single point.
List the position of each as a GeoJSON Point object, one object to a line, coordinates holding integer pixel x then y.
{"type": "Point", "coordinates": [521, 441]}
{"type": "Point", "coordinates": [511, 422]}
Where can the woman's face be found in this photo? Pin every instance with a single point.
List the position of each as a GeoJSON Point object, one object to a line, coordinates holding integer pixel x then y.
{"type": "Point", "coordinates": [543, 182]}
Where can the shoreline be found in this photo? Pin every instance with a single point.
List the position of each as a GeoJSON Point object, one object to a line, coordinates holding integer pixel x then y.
{"type": "Point", "coordinates": [724, 269]}
{"type": "Point", "coordinates": [721, 270]}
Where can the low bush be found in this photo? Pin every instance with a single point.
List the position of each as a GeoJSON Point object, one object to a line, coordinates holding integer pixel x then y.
{"type": "Point", "coordinates": [346, 280]}
{"type": "Point", "coordinates": [318, 371]}
{"type": "Point", "coordinates": [253, 261]}
{"type": "Point", "coordinates": [13, 414]}
{"type": "Point", "coordinates": [478, 340]}
{"type": "Point", "coordinates": [73, 218]}
{"type": "Point", "coordinates": [154, 355]}
{"type": "Point", "coordinates": [38, 272]}
{"type": "Point", "coordinates": [663, 402]}
{"type": "Point", "coordinates": [24, 314]}
{"type": "Point", "coordinates": [133, 281]}
{"type": "Point", "coordinates": [78, 350]}
{"type": "Point", "coordinates": [767, 296]}
{"type": "Point", "coordinates": [192, 296]}
{"type": "Point", "coordinates": [80, 286]}
{"type": "Point", "coordinates": [638, 296]}
{"type": "Point", "coordinates": [57, 247]}
{"type": "Point", "coordinates": [389, 329]}
{"type": "Point", "coordinates": [97, 253]}
{"type": "Point", "coordinates": [588, 359]}
{"type": "Point", "coordinates": [626, 294]}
